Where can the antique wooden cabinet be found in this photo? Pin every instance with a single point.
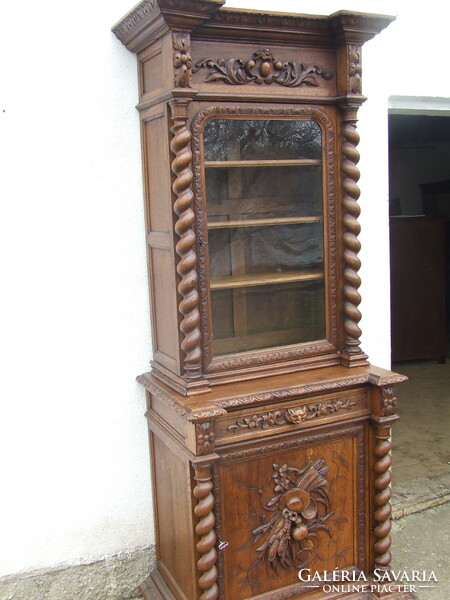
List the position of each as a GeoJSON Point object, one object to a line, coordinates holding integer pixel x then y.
{"type": "Point", "coordinates": [269, 429]}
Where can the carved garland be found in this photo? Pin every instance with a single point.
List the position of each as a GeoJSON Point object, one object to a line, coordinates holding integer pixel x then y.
{"type": "Point", "coordinates": [292, 415]}
{"type": "Point", "coordinates": [260, 357]}
{"type": "Point", "coordinates": [354, 70]}
{"type": "Point", "coordinates": [299, 509]}
{"type": "Point", "coordinates": [205, 530]}
{"type": "Point", "coordinates": [185, 248]}
{"type": "Point", "coordinates": [182, 60]}
{"type": "Point", "coordinates": [261, 68]}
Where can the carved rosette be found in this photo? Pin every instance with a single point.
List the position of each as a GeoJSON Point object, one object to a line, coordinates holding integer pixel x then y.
{"type": "Point", "coordinates": [354, 70]}
{"type": "Point", "coordinates": [182, 60]}
{"type": "Point", "coordinates": [185, 248]}
{"type": "Point", "coordinates": [382, 498]}
{"type": "Point", "coordinates": [389, 406]}
{"type": "Point", "coordinates": [205, 437]}
{"type": "Point", "coordinates": [352, 246]}
{"type": "Point", "coordinates": [261, 68]}
{"type": "Point", "coordinates": [205, 530]}
{"type": "Point", "coordinates": [299, 510]}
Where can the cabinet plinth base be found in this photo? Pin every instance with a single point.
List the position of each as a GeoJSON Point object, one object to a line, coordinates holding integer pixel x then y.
{"type": "Point", "coordinates": [155, 588]}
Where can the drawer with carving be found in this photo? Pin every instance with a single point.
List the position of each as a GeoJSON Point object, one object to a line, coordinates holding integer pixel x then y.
{"type": "Point", "coordinates": [302, 413]}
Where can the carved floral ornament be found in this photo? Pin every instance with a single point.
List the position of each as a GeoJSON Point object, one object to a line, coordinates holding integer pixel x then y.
{"type": "Point", "coordinates": [300, 508]}
{"type": "Point", "coordinates": [263, 67]}
{"type": "Point", "coordinates": [182, 60]}
{"type": "Point", "coordinates": [295, 416]}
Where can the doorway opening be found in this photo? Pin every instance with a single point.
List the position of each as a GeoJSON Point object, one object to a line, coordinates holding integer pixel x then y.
{"type": "Point", "coordinates": [419, 202]}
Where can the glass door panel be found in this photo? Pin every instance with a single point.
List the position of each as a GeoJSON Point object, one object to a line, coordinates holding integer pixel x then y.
{"type": "Point", "coordinates": [265, 232]}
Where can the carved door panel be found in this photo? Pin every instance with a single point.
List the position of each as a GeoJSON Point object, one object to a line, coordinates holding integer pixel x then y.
{"type": "Point", "coordinates": [292, 504]}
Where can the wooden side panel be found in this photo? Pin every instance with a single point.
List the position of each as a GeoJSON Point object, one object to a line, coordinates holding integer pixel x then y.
{"type": "Point", "coordinates": [175, 522]}
{"type": "Point", "coordinates": [291, 505]}
{"type": "Point", "coordinates": [160, 237]}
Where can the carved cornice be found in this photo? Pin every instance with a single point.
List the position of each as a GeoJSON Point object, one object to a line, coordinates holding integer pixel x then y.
{"type": "Point", "coordinates": [284, 394]}
{"type": "Point", "coordinates": [192, 415]}
{"type": "Point", "coordinates": [135, 18]}
{"type": "Point", "coordinates": [296, 415]}
{"type": "Point", "coordinates": [250, 18]}
{"type": "Point", "coordinates": [261, 68]}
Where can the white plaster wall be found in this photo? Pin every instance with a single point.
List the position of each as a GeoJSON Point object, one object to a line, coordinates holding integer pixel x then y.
{"type": "Point", "coordinates": [74, 330]}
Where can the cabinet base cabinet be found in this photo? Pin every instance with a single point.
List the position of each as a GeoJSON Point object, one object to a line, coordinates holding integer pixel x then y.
{"type": "Point", "coordinates": [276, 490]}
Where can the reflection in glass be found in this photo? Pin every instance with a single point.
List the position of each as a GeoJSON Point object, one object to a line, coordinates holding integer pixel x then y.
{"type": "Point", "coordinates": [231, 139]}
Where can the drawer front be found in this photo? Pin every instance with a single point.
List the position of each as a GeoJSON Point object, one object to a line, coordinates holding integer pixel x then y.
{"type": "Point", "coordinates": [297, 414]}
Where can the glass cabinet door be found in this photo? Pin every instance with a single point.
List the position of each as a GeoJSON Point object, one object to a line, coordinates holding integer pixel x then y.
{"type": "Point", "coordinates": [264, 199]}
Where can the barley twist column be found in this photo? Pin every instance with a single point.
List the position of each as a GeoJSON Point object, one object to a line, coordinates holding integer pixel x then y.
{"type": "Point", "coordinates": [205, 530]}
{"type": "Point", "coordinates": [382, 498]}
{"type": "Point", "coordinates": [352, 264]}
{"type": "Point", "coordinates": [185, 248]}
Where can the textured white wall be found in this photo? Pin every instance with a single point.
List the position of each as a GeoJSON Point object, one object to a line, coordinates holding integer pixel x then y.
{"type": "Point", "coordinates": [75, 323]}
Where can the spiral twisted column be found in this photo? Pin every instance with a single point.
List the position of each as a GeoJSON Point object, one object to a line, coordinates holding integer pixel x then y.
{"type": "Point", "coordinates": [352, 246]}
{"type": "Point", "coordinates": [383, 493]}
{"type": "Point", "coordinates": [185, 247]}
{"type": "Point", "coordinates": [205, 530]}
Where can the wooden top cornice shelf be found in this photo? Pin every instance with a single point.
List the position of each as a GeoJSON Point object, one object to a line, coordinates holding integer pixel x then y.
{"type": "Point", "coordinates": [152, 18]}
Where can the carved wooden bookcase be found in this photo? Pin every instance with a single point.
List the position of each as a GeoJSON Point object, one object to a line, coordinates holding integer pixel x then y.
{"type": "Point", "coordinates": [269, 429]}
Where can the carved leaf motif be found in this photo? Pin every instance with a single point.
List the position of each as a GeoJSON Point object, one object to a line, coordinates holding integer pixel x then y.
{"type": "Point", "coordinates": [261, 68]}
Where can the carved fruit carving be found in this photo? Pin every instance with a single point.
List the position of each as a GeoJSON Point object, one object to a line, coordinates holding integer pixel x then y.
{"type": "Point", "coordinates": [261, 68]}
{"type": "Point", "coordinates": [300, 509]}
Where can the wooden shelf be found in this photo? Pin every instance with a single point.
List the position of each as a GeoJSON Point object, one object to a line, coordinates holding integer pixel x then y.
{"type": "Point", "coordinates": [262, 222]}
{"type": "Point", "coordinates": [220, 164]}
{"type": "Point", "coordinates": [225, 283]}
